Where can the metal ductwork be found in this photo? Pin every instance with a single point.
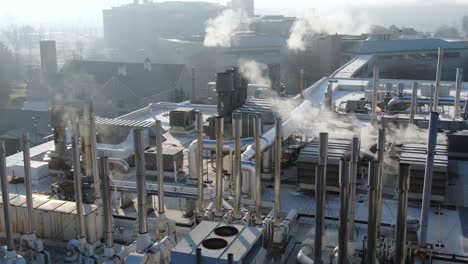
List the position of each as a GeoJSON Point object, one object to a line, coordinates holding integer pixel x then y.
{"type": "Point", "coordinates": [140, 180]}
{"type": "Point", "coordinates": [371, 255]}
{"type": "Point", "coordinates": [106, 203]}
{"type": "Point", "coordinates": [380, 178]}
{"type": "Point", "coordinates": [429, 170]}
{"type": "Point", "coordinates": [237, 132]}
{"type": "Point", "coordinates": [400, 239]}
{"type": "Point", "coordinates": [320, 193]}
{"type": "Point", "coordinates": [219, 129]}
{"type": "Point", "coordinates": [200, 203]}
{"type": "Point", "coordinates": [353, 169]}
{"type": "Point", "coordinates": [159, 154]}
{"type": "Point", "coordinates": [258, 165]}
{"type": "Point", "coordinates": [278, 155]}
{"type": "Point", "coordinates": [344, 202]}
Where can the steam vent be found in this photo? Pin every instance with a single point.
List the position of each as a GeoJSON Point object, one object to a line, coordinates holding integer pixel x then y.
{"type": "Point", "coordinates": [185, 132]}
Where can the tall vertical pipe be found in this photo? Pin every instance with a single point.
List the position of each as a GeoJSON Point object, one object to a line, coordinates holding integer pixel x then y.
{"type": "Point", "coordinates": [159, 157]}
{"type": "Point", "coordinates": [375, 84]}
{"type": "Point", "coordinates": [193, 95]}
{"type": "Point", "coordinates": [77, 179]}
{"type": "Point", "coordinates": [106, 201]}
{"type": "Point", "coordinates": [380, 178]}
{"type": "Point", "coordinates": [301, 86]}
{"type": "Point", "coordinates": [414, 103]}
{"type": "Point", "coordinates": [219, 128]}
{"type": "Point", "coordinates": [28, 183]}
{"type": "Point", "coordinates": [320, 191]}
{"type": "Point", "coordinates": [372, 219]}
{"type": "Point", "coordinates": [440, 57]}
{"type": "Point", "coordinates": [140, 180]}
{"type": "Point", "coordinates": [237, 129]}
{"type": "Point", "coordinates": [427, 189]}
{"type": "Point", "coordinates": [431, 103]}
{"type": "Point", "coordinates": [92, 140]}
{"type": "Point", "coordinates": [344, 202]}
{"type": "Point", "coordinates": [6, 200]}
{"type": "Point", "coordinates": [200, 159]}
{"type": "Point", "coordinates": [278, 154]}
{"type": "Point", "coordinates": [458, 86]}
{"type": "Point", "coordinates": [353, 166]}
{"type": "Point", "coordinates": [258, 165]}
{"type": "Point", "coordinates": [403, 187]}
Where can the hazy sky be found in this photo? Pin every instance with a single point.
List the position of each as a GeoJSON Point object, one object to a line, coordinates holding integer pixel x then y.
{"type": "Point", "coordinates": [89, 11]}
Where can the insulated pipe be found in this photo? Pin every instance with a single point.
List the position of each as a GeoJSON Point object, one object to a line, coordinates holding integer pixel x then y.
{"type": "Point", "coordinates": [380, 177]}
{"type": "Point", "coordinates": [237, 131]}
{"type": "Point", "coordinates": [458, 83]}
{"type": "Point", "coordinates": [140, 180]}
{"type": "Point", "coordinates": [403, 187]}
{"type": "Point", "coordinates": [375, 83]}
{"type": "Point", "coordinates": [200, 160]}
{"type": "Point", "coordinates": [414, 103]}
{"type": "Point", "coordinates": [438, 77]}
{"type": "Point", "coordinates": [427, 189]}
{"type": "Point", "coordinates": [353, 167]}
{"type": "Point", "coordinates": [219, 130]}
{"type": "Point", "coordinates": [6, 200]}
{"type": "Point", "coordinates": [278, 154]}
{"type": "Point", "coordinates": [372, 219]}
{"type": "Point", "coordinates": [320, 191]}
{"type": "Point", "coordinates": [77, 179]}
{"type": "Point", "coordinates": [344, 199]}
{"type": "Point", "coordinates": [258, 165]}
{"type": "Point", "coordinates": [159, 157]}
{"type": "Point", "coordinates": [28, 183]}
{"type": "Point", "coordinates": [106, 201]}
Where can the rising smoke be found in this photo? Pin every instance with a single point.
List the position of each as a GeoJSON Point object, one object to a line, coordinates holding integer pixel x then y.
{"type": "Point", "coordinates": [220, 31]}
{"type": "Point", "coordinates": [254, 72]}
{"type": "Point", "coordinates": [332, 22]}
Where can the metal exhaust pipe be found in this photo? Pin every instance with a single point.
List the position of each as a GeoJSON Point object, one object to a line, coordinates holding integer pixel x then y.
{"type": "Point", "coordinates": [344, 202]}
{"type": "Point", "coordinates": [278, 154]}
{"type": "Point", "coordinates": [219, 128]}
{"type": "Point", "coordinates": [320, 192]}
{"type": "Point", "coordinates": [92, 138]}
{"type": "Point", "coordinates": [194, 97]}
{"type": "Point", "coordinates": [414, 103]}
{"type": "Point", "coordinates": [140, 180]}
{"type": "Point", "coordinates": [353, 166]}
{"type": "Point", "coordinates": [301, 86]}
{"type": "Point", "coordinates": [106, 202]}
{"type": "Point", "coordinates": [381, 174]}
{"type": "Point", "coordinates": [438, 77]}
{"type": "Point", "coordinates": [237, 131]}
{"type": "Point", "coordinates": [429, 170]}
{"type": "Point", "coordinates": [372, 216]}
{"type": "Point", "coordinates": [258, 165]}
{"type": "Point", "coordinates": [28, 183]}
{"type": "Point", "coordinates": [375, 83]}
{"type": "Point", "coordinates": [77, 179]}
{"type": "Point", "coordinates": [200, 160]}
{"type": "Point", "coordinates": [458, 86]}
{"type": "Point", "coordinates": [6, 200]}
{"type": "Point", "coordinates": [403, 187]}
{"type": "Point", "coordinates": [159, 156]}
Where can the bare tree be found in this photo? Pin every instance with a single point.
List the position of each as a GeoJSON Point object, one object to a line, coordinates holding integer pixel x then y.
{"type": "Point", "coordinates": [6, 73]}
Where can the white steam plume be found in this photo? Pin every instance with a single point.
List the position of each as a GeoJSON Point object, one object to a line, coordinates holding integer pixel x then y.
{"type": "Point", "coordinates": [220, 31]}
{"type": "Point", "coordinates": [254, 72]}
{"type": "Point", "coordinates": [330, 22]}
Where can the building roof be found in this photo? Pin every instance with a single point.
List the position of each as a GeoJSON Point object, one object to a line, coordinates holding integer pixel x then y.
{"type": "Point", "coordinates": [142, 81]}
{"type": "Point", "coordinates": [403, 46]}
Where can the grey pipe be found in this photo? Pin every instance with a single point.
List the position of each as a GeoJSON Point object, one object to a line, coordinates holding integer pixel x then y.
{"type": "Point", "coordinates": [414, 103]}
{"type": "Point", "coordinates": [380, 179]}
{"type": "Point", "coordinates": [219, 128]}
{"type": "Point", "coordinates": [320, 192]}
{"type": "Point", "coordinates": [458, 86]}
{"type": "Point", "coordinates": [200, 159]}
{"type": "Point", "coordinates": [258, 165]}
{"type": "Point", "coordinates": [278, 154]}
{"type": "Point", "coordinates": [403, 187]}
{"type": "Point", "coordinates": [28, 183]}
{"type": "Point", "coordinates": [353, 167]}
{"type": "Point", "coordinates": [6, 200]}
{"type": "Point", "coordinates": [344, 202]}
{"type": "Point", "coordinates": [140, 180]}
{"type": "Point", "coordinates": [375, 83]}
{"type": "Point", "coordinates": [159, 157]}
{"type": "Point", "coordinates": [427, 189]}
{"type": "Point", "coordinates": [301, 86]}
{"type": "Point", "coordinates": [77, 179]}
{"type": "Point", "coordinates": [329, 96]}
{"type": "Point", "coordinates": [372, 219]}
{"type": "Point", "coordinates": [92, 136]}
{"type": "Point", "coordinates": [438, 77]}
{"type": "Point", "coordinates": [106, 201]}
{"type": "Point", "coordinates": [237, 131]}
